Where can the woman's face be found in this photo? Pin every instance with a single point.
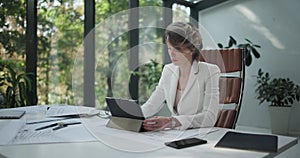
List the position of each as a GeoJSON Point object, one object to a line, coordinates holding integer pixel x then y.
{"type": "Point", "coordinates": [179, 58]}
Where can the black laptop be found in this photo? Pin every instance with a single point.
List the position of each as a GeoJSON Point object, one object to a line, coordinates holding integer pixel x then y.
{"type": "Point", "coordinates": [126, 114]}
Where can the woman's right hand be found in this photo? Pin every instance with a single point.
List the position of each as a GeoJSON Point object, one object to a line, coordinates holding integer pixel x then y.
{"type": "Point", "coordinates": [157, 123]}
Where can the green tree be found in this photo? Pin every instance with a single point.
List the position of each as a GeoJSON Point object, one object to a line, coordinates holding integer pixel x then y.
{"type": "Point", "coordinates": [60, 34]}
{"type": "Point", "coordinates": [12, 28]}
{"type": "Point", "coordinates": [63, 27]}
{"type": "Point", "coordinates": [13, 79]}
{"type": "Point", "coordinates": [116, 52]}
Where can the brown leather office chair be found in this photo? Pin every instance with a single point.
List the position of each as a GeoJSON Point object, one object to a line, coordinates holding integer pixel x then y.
{"type": "Point", "coordinates": [231, 84]}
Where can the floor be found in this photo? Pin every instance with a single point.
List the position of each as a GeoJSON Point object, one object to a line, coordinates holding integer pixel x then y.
{"type": "Point", "coordinates": [293, 152]}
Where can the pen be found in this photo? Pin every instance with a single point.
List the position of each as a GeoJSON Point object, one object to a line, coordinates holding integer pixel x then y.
{"type": "Point", "coordinates": [43, 121]}
{"type": "Point", "coordinates": [48, 126]}
{"type": "Point", "coordinates": [63, 125]}
{"type": "Point", "coordinates": [58, 124]}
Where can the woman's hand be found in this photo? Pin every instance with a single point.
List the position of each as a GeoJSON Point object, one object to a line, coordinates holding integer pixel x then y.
{"type": "Point", "coordinates": [157, 123]}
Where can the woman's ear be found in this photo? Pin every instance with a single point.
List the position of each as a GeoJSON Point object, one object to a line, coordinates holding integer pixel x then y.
{"type": "Point", "coordinates": [191, 52]}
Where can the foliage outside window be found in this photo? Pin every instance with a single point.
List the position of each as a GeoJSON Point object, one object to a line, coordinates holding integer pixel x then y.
{"type": "Point", "coordinates": [13, 79]}
{"type": "Point", "coordinates": [14, 85]}
{"type": "Point", "coordinates": [60, 34]}
{"type": "Point", "coordinates": [149, 75]}
{"type": "Point", "coordinates": [60, 37]}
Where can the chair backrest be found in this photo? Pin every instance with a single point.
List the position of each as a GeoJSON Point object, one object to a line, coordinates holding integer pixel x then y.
{"type": "Point", "coordinates": [231, 83]}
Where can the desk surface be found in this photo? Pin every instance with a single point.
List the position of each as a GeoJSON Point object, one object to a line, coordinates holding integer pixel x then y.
{"type": "Point", "coordinates": [105, 146]}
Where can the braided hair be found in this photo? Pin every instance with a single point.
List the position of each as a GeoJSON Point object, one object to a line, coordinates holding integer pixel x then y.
{"type": "Point", "coordinates": [184, 36]}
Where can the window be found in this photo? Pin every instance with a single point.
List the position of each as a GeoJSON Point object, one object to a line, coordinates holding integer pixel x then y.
{"type": "Point", "coordinates": [60, 36]}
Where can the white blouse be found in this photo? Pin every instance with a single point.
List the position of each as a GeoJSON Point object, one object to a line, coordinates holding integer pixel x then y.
{"type": "Point", "coordinates": [177, 99]}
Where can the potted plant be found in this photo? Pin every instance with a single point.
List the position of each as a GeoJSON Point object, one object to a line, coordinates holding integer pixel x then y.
{"type": "Point", "coordinates": [149, 75]}
{"type": "Point", "coordinates": [280, 93]}
{"type": "Point", "coordinates": [13, 85]}
{"type": "Point", "coordinates": [249, 49]}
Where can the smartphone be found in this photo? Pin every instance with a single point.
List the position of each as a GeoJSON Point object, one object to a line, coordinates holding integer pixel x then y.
{"type": "Point", "coordinates": [184, 143]}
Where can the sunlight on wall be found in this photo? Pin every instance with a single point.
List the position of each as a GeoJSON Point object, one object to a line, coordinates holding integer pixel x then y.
{"type": "Point", "coordinates": [257, 25]}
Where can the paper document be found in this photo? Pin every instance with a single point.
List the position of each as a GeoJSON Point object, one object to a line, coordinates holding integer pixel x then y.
{"type": "Point", "coordinates": [66, 110]}
{"type": "Point", "coordinates": [18, 132]}
{"type": "Point", "coordinates": [10, 130]}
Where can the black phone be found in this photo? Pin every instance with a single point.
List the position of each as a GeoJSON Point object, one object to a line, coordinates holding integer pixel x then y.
{"type": "Point", "coordinates": [184, 143]}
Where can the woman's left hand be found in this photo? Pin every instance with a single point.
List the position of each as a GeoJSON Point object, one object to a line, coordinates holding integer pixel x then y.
{"type": "Point", "coordinates": [157, 123]}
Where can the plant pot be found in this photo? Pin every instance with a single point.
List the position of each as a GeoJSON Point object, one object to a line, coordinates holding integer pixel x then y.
{"type": "Point", "coordinates": [279, 117]}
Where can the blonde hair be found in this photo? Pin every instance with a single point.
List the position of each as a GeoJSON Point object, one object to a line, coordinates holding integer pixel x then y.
{"type": "Point", "coordinates": [184, 36]}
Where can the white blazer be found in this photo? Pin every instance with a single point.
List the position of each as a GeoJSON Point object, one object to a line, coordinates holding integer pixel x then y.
{"type": "Point", "coordinates": [199, 103]}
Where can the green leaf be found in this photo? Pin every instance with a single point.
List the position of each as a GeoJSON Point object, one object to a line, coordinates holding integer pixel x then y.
{"type": "Point", "coordinates": [248, 59]}
{"type": "Point", "coordinates": [220, 45]}
{"type": "Point", "coordinates": [290, 100]}
{"type": "Point", "coordinates": [242, 46]}
{"type": "Point", "coordinates": [22, 93]}
{"type": "Point", "coordinates": [257, 46]}
{"type": "Point", "coordinates": [230, 43]}
{"type": "Point", "coordinates": [248, 40]}
{"type": "Point", "coordinates": [233, 41]}
{"type": "Point", "coordinates": [268, 75]}
{"type": "Point", "coordinates": [255, 53]}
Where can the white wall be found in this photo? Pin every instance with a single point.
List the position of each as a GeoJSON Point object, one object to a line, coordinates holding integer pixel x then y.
{"type": "Point", "coordinates": [273, 24]}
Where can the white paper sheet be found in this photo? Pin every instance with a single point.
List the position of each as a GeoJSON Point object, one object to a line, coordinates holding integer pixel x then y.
{"type": "Point", "coordinates": [18, 132]}
{"type": "Point", "coordinates": [142, 141]}
{"type": "Point", "coordinates": [66, 110]}
{"type": "Point", "coordinates": [23, 131]}
{"type": "Point", "coordinates": [10, 130]}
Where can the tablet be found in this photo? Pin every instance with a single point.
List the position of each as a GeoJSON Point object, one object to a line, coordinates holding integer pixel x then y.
{"type": "Point", "coordinates": [126, 108]}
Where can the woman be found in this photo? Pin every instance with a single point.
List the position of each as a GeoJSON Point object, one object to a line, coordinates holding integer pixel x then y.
{"type": "Point", "coordinates": [190, 87]}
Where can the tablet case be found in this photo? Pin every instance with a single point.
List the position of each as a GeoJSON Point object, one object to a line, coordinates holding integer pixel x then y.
{"type": "Point", "coordinates": [125, 124]}
{"type": "Point", "coordinates": [247, 141]}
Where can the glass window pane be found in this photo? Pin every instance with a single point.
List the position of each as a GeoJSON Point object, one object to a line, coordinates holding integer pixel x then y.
{"type": "Point", "coordinates": [12, 52]}
{"type": "Point", "coordinates": [150, 49]}
{"type": "Point", "coordinates": [60, 36]}
{"type": "Point", "coordinates": [180, 13]}
{"type": "Point", "coordinates": [112, 45]}
{"type": "Point", "coordinates": [111, 50]}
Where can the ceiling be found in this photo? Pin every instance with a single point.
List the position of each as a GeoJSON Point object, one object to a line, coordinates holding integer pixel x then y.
{"type": "Point", "coordinates": [198, 4]}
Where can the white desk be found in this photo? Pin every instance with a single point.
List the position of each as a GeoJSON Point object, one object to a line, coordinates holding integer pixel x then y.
{"type": "Point", "coordinates": [102, 148]}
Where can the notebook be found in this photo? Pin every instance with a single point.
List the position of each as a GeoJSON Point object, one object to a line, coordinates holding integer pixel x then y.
{"type": "Point", "coordinates": [11, 114]}
{"type": "Point", "coordinates": [247, 141]}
